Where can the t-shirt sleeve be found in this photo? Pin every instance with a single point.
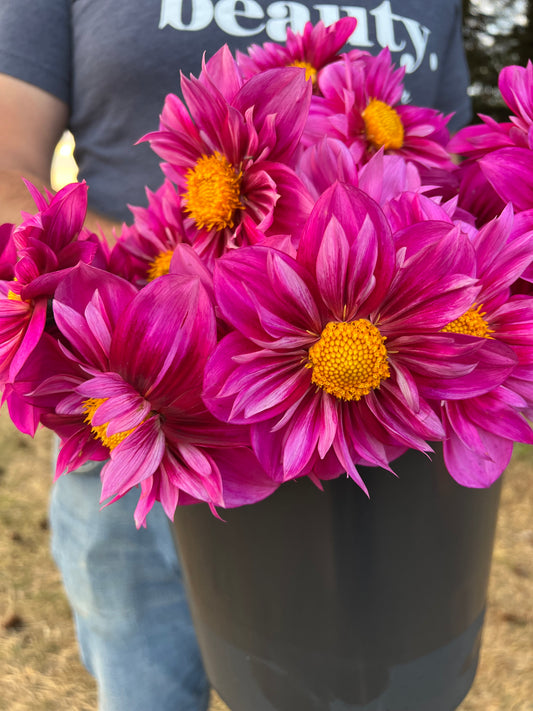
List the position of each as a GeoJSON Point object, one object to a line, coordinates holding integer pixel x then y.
{"type": "Point", "coordinates": [35, 43]}
{"type": "Point", "coordinates": [454, 78]}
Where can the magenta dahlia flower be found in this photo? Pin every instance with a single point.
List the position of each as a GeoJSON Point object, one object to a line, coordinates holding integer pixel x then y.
{"type": "Point", "coordinates": [47, 245]}
{"type": "Point", "coordinates": [516, 88]}
{"type": "Point", "coordinates": [360, 105]}
{"type": "Point", "coordinates": [497, 154]}
{"type": "Point", "coordinates": [144, 249]}
{"type": "Point", "coordinates": [481, 429]}
{"type": "Point", "coordinates": [141, 406]}
{"type": "Point", "coordinates": [92, 300]}
{"type": "Point", "coordinates": [312, 49]}
{"type": "Point", "coordinates": [228, 148]}
{"type": "Point", "coordinates": [328, 348]}
{"type": "Point", "coordinates": [383, 178]}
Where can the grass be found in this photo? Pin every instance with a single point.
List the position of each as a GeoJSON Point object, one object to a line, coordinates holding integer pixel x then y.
{"type": "Point", "coordinates": [39, 666]}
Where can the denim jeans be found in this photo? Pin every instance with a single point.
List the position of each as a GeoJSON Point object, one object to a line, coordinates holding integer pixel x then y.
{"type": "Point", "coordinates": [126, 591]}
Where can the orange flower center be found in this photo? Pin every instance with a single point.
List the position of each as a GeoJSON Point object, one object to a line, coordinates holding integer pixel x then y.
{"type": "Point", "coordinates": [383, 126]}
{"type": "Point", "coordinates": [471, 323]}
{"type": "Point", "coordinates": [213, 192]}
{"type": "Point", "coordinates": [100, 431]}
{"type": "Point", "coordinates": [349, 359]}
{"type": "Point", "coordinates": [160, 265]}
{"type": "Point", "coordinates": [310, 71]}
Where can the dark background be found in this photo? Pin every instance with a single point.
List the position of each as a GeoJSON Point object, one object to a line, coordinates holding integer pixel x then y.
{"type": "Point", "coordinates": [496, 33]}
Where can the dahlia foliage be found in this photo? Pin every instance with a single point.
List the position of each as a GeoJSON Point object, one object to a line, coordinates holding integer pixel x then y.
{"type": "Point", "coordinates": [315, 287]}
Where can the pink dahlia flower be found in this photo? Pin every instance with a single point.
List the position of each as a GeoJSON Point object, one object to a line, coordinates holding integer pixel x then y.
{"type": "Point", "coordinates": [328, 348]}
{"type": "Point", "coordinates": [312, 49]}
{"type": "Point", "coordinates": [143, 250]}
{"type": "Point", "coordinates": [384, 177]}
{"type": "Point", "coordinates": [481, 430]}
{"type": "Point", "coordinates": [360, 105]}
{"type": "Point", "coordinates": [516, 88]}
{"type": "Point", "coordinates": [142, 407]}
{"type": "Point", "coordinates": [228, 149]}
{"type": "Point", "coordinates": [47, 245]}
{"type": "Point", "coordinates": [487, 147]}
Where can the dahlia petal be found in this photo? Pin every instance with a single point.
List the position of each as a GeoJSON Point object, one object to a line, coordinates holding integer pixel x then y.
{"type": "Point", "coordinates": [165, 317]}
{"type": "Point", "coordinates": [267, 445]}
{"type": "Point", "coordinates": [289, 196]}
{"type": "Point", "coordinates": [205, 469]}
{"type": "Point", "coordinates": [185, 261]}
{"type": "Point", "coordinates": [343, 454]}
{"type": "Point", "coordinates": [121, 413]}
{"type": "Point", "coordinates": [32, 335]}
{"type": "Point", "coordinates": [168, 494]}
{"type": "Point", "coordinates": [365, 438]}
{"type": "Point", "coordinates": [268, 396]}
{"type": "Point", "coordinates": [329, 422]}
{"type": "Point", "coordinates": [332, 267]}
{"type": "Point", "coordinates": [301, 437]}
{"type": "Point", "coordinates": [74, 452]}
{"type": "Point", "coordinates": [221, 71]}
{"type": "Point", "coordinates": [407, 428]}
{"type": "Point", "coordinates": [510, 172]}
{"type": "Point", "coordinates": [136, 458]}
{"type": "Point", "coordinates": [244, 481]}
{"type": "Point", "coordinates": [515, 84]}
{"type": "Point", "coordinates": [148, 497]}
{"type": "Point", "coordinates": [246, 270]}
{"type": "Point", "coordinates": [469, 468]}
{"type": "Point", "coordinates": [469, 374]}
{"type": "Point", "coordinates": [492, 414]}
{"type": "Point", "coordinates": [281, 92]}
{"type": "Point", "coordinates": [368, 232]}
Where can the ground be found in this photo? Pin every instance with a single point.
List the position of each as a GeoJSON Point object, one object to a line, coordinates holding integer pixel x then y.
{"type": "Point", "coordinates": [39, 666]}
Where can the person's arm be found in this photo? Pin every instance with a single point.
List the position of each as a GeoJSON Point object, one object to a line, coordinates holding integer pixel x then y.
{"type": "Point", "coordinates": [31, 123]}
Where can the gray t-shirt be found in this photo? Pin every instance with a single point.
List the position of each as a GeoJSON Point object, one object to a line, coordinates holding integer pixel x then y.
{"type": "Point", "coordinates": [114, 61]}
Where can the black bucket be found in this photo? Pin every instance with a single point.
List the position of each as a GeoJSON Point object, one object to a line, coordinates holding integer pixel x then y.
{"type": "Point", "coordinates": [330, 601]}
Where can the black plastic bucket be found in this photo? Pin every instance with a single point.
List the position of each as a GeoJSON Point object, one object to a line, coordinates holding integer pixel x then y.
{"type": "Point", "coordinates": [330, 601]}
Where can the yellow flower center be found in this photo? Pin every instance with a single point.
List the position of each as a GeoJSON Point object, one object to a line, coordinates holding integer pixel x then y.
{"type": "Point", "coordinates": [310, 71]}
{"type": "Point", "coordinates": [100, 431]}
{"type": "Point", "coordinates": [471, 323]}
{"type": "Point", "coordinates": [213, 192]}
{"type": "Point", "coordinates": [383, 126]}
{"type": "Point", "coordinates": [160, 265]}
{"type": "Point", "coordinates": [349, 360]}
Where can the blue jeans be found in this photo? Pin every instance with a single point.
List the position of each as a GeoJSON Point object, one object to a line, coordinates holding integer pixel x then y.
{"type": "Point", "coordinates": [126, 591]}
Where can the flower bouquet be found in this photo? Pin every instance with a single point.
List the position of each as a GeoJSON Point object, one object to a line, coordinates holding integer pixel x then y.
{"type": "Point", "coordinates": [315, 290]}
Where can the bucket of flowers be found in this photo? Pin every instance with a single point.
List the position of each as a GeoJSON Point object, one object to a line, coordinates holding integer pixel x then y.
{"type": "Point", "coordinates": [314, 347]}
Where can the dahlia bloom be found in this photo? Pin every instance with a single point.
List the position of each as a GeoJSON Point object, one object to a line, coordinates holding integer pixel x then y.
{"type": "Point", "coordinates": [494, 152]}
{"type": "Point", "coordinates": [329, 160]}
{"type": "Point", "coordinates": [312, 50]}
{"type": "Point", "coordinates": [142, 409]}
{"type": "Point", "coordinates": [143, 250]}
{"type": "Point", "coordinates": [516, 88]}
{"type": "Point", "coordinates": [360, 105]}
{"type": "Point", "coordinates": [47, 245]}
{"type": "Point", "coordinates": [481, 430]}
{"type": "Point", "coordinates": [327, 349]}
{"type": "Point", "coordinates": [228, 149]}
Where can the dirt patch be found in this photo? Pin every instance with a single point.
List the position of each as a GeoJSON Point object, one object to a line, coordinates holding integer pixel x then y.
{"type": "Point", "coordinates": [39, 665]}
